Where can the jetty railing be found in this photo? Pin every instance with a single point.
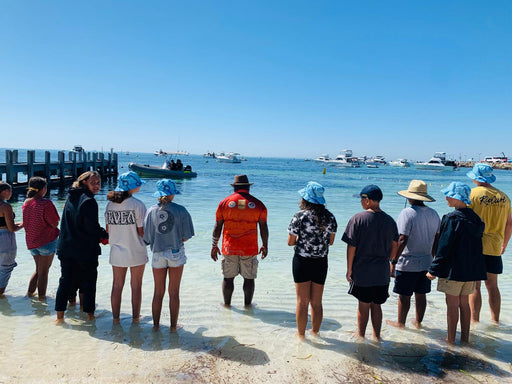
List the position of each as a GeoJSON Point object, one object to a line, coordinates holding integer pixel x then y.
{"type": "Point", "coordinates": [56, 172]}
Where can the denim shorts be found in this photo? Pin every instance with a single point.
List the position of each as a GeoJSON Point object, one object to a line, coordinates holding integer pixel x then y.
{"type": "Point", "coordinates": [45, 250]}
{"type": "Point", "coordinates": [170, 258]}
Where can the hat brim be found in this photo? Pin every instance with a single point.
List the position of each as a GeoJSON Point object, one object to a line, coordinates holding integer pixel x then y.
{"type": "Point", "coordinates": [416, 196]}
{"type": "Point", "coordinates": [160, 193]}
{"type": "Point", "coordinates": [472, 175]}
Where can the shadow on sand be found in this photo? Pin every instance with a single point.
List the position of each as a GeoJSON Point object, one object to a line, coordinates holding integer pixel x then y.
{"type": "Point", "coordinates": [282, 318]}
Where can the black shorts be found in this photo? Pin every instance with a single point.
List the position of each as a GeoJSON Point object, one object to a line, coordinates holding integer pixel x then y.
{"type": "Point", "coordinates": [407, 283]}
{"type": "Point", "coordinates": [309, 269]}
{"type": "Point", "coordinates": [378, 294]}
{"type": "Point", "coordinates": [494, 264]}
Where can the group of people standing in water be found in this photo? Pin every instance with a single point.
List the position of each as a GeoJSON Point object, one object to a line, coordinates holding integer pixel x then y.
{"type": "Point", "coordinates": [129, 229]}
{"type": "Point", "coordinates": [462, 249]}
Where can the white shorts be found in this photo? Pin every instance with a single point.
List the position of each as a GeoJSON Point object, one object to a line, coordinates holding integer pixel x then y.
{"type": "Point", "coordinates": [169, 258]}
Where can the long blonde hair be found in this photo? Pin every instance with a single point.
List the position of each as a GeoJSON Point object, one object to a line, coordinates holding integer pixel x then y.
{"type": "Point", "coordinates": [79, 183]}
{"type": "Point", "coordinates": [164, 200]}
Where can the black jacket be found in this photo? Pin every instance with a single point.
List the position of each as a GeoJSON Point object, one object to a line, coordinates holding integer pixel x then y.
{"type": "Point", "coordinates": [80, 231]}
{"type": "Point", "coordinates": [459, 253]}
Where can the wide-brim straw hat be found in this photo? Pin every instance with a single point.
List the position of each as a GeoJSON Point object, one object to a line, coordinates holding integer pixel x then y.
{"type": "Point", "coordinates": [241, 180]}
{"type": "Point", "coordinates": [417, 190]}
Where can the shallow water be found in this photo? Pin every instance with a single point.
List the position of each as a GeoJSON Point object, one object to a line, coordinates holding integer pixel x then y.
{"type": "Point", "coordinates": [260, 338]}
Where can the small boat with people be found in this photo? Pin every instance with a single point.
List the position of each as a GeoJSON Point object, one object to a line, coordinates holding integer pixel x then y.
{"type": "Point", "coordinates": [438, 162]}
{"type": "Point", "coordinates": [400, 163]}
{"type": "Point", "coordinates": [171, 169]}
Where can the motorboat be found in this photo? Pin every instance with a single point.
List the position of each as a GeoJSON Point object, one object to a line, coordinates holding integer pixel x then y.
{"type": "Point", "coordinates": [152, 171]}
{"type": "Point", "coordinates": [400, 163]}
{"type": "Point", "coordinates": [437, 162]}
{"type": "Point", "coordinates": [378, 161]}
{"type": "Point", "coordinates": [231, 157]}
{"type": "Point", "coordinates": [345, 160]}
{"type": "Point", "coordinates": [322, 158]}
{"type": "Point", "coordinates": [162, 153]}
{"type": "Point", "coordinates": [210, 155]}
{"type": "Point", "coordinates": [78, 149]}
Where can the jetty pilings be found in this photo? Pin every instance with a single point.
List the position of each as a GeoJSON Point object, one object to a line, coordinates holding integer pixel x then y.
{"type": "Point", "coordinates": [64, 169]}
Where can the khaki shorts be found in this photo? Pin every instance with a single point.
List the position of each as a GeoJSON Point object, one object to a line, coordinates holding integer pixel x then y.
{"type": "Point", "coordinates": [247, 266]}
{"type": "Point", "coordinates": [456, 288]}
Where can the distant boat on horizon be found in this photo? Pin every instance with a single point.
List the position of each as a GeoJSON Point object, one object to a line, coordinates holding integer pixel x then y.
{"type": "Point", "coordinates": [438, 162]}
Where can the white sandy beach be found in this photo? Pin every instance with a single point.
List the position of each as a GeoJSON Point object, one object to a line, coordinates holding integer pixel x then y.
{"type": "Point", "coordinates": [237, 345]}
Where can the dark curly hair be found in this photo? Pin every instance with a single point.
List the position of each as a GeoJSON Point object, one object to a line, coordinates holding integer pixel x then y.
{"type": "Point", "coordinates": [321, 213]}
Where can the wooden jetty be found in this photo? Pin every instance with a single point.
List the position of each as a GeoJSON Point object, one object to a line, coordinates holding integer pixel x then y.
{"type": "Point", "coordinates": [56, 172]}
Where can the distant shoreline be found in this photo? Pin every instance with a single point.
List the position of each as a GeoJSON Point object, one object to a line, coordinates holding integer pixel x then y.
{"type": "Point", "coordinates": [470, 164]}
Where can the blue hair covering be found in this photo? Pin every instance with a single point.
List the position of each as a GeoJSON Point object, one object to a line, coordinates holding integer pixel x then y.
{"type": "Point", "coordinates": [482, 172]}
{"type": "Point", "coordinates": [127, 181]}
{"type": "Point", "coordinates": [313, 192]}
{"type": "Point", "coordinates": [166, 187]}
{"type": "Point", "coordinates": [459, 191]}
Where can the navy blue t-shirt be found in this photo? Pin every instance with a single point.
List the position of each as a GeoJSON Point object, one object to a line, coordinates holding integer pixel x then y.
{"type": "Point", "coordinates": [372, 234]}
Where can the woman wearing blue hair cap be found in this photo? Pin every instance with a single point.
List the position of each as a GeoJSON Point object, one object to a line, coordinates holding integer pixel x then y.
{"type": "Point", "coordinates": [124, 216]}
{"type": "Point", "coordinates": [459, 262]}
{"type": "Point", "coordinates": [167, 226]}
{"type": "Point", "coordinates": [311, 232]}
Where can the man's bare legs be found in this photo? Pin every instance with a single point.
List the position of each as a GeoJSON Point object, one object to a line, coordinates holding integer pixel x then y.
{"type": "Point", "coordinates": [475, 299]}
{"type": "Point", "coordinates": [364, 311]}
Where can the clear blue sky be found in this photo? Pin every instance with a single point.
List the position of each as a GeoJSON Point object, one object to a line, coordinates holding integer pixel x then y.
{"type": "Point", "coordinates": [263, 78]}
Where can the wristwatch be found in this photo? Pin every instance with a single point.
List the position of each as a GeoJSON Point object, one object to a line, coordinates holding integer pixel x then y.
{"type": "Point", "coordinates": [394, 261]}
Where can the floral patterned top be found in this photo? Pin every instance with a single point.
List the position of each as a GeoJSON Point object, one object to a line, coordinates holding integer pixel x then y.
{"type": "Point", "coordinates": [312, 241]}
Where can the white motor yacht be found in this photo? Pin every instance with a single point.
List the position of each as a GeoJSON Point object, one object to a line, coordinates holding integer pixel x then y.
{"type": "Point", "coordinates": [345, 160]}
{"type": "Point", "coordinates": [322, 158]}
{"type": "Point", "coordinates": [437, 162]}
{"type": "Point", "coordinates": [230, 157]}
{"type": "Point", "coordinates": [400, 163]}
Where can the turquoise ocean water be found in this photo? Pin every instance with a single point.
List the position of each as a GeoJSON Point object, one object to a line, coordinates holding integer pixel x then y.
{"type": "Point", "coordinates": [270, 325]}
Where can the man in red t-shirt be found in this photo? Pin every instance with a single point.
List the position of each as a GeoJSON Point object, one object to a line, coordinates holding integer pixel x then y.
{"type": "Point", "coordinates": [240, 214]}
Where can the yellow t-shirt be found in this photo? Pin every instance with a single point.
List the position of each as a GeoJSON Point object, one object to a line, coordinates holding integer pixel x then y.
{"type": "Point", "coordinates": [493, 207]}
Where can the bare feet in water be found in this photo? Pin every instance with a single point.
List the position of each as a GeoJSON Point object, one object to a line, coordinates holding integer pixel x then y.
{"type": "Point", "coordinates": [60, 318]}
{"type": "Point", "coordinates": [90, 316]}
{"type": "Point", "coordinates": [395, 324]}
